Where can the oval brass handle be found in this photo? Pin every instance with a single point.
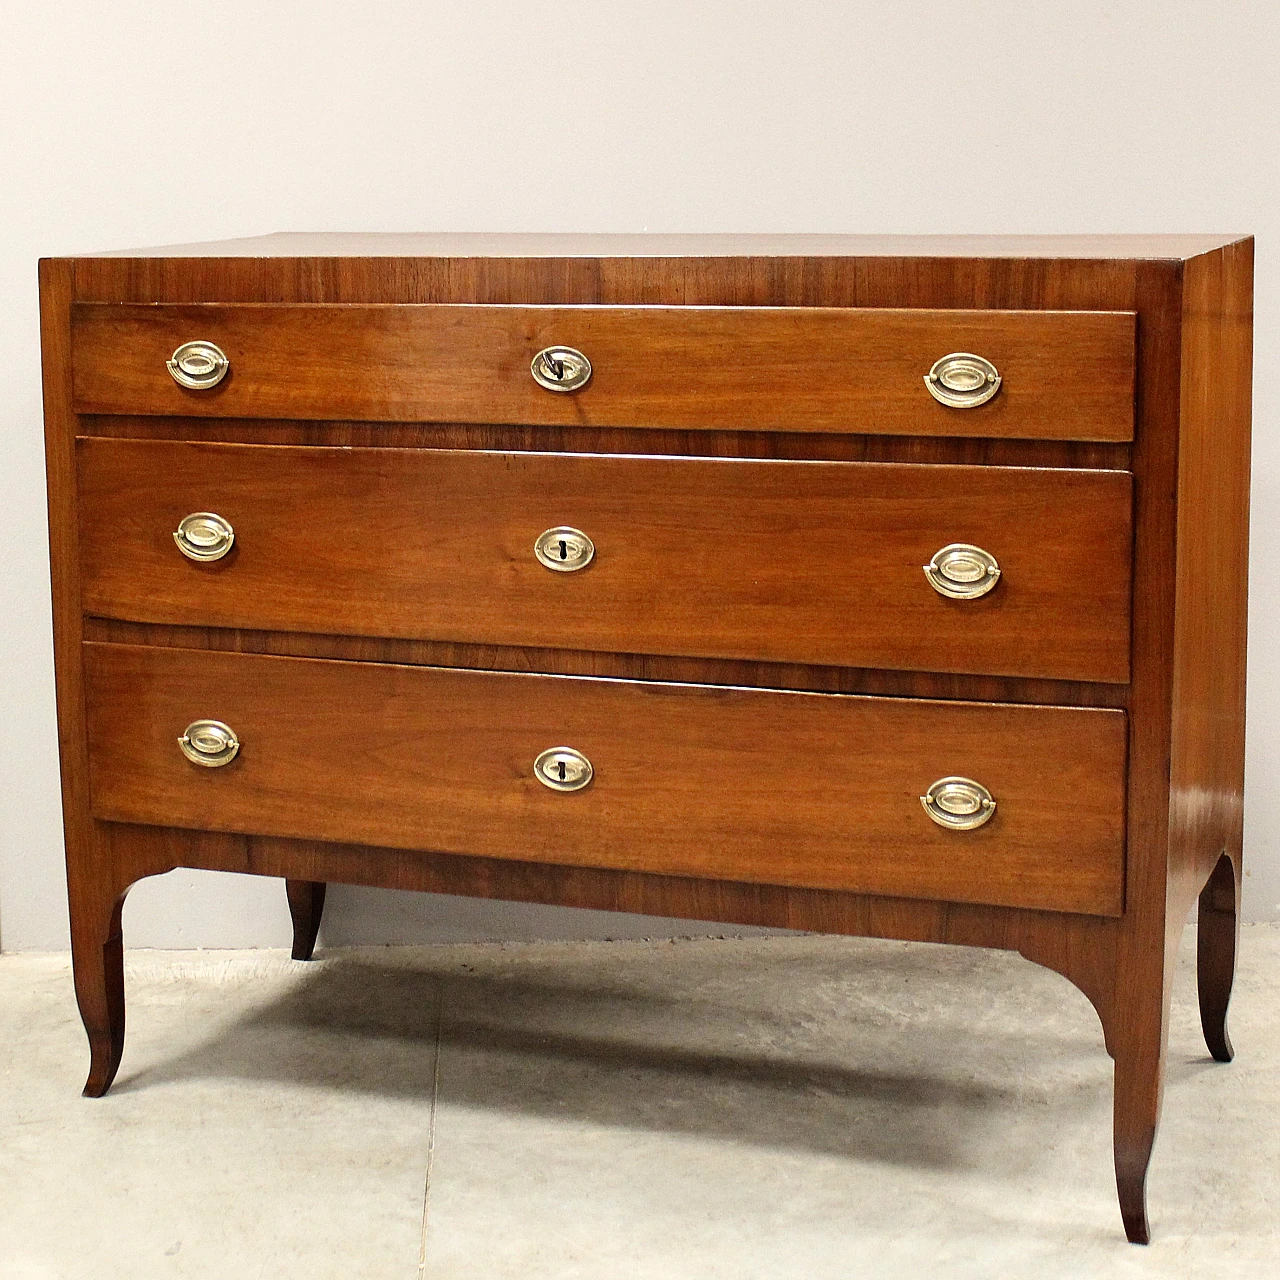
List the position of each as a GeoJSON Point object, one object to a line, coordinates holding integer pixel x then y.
{"type": "Point", "coordinates": [204, 536]}
{"type": "Point", "coordinates": [210, 743]}
{"type": "Point", "coordinates": [959, 804]}
{"type": "Point", "coordinates": [962, 381]}
{"type": "Point", "coordinates": [561, 369]}
{"type": "Point", "coordinates": [198, 365]}
{"type": "Point", "coordinates": [962, 571]}
{"type": "Point", "coordinates": [563, 769]}
{"type": "Point", "coordinates": [564, 549]}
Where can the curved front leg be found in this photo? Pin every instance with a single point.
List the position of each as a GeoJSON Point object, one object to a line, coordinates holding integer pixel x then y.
{"type": "Point", "coordinates": [97, 960]}
{"type": "Point", "coordinates": [1137, 1038]}
{"type": "Point", "coordinates": [1218, 933]}
{"type": "Point", "coordinates": [1137, 1114]}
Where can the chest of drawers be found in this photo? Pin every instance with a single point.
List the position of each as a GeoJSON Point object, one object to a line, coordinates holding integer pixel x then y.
{"type": "Point", "coordinates": [863, 585]}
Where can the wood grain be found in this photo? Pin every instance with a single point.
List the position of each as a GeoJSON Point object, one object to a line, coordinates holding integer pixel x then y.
{"type": "Point", "coordinates": [1081, 948]}
{"type": "Point", "coordinates": [786, 788]}
{"type": "Point", "coordinates": [1191, 296]}
{"type": "Point", "coordinates": [94, 892]}
{"type": "Point", "coordinates": [506, 438]}
{"type": "Point", "coordinates": [621, 666]}
{"type": "Point", "coordinates": [1102, 281]}
{"type": "Point", "coordinates": [1210, 630]}
{"type": "Point", "coordinates": [773, 561]}
{"type": "Point", "coordinates": [1209, 644]}
{"type": "Point", "coordinates": [1146, 945]}
{"type": "Point", "coordinates": [1067, 376]}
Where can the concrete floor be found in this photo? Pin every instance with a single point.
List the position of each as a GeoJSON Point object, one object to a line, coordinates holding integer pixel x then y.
{"type": "Point", "coordinates": [792, 1107]}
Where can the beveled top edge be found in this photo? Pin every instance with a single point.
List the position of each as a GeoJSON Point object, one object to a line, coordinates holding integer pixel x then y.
{"type": "Point", "coordinates": [483, 244]}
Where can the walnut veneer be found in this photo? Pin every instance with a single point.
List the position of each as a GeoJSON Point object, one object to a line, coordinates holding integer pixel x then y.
{"type": "Point", "coordinates": [754, 662]}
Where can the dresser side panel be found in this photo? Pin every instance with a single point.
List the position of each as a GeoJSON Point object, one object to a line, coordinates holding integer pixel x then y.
{"type": "Point", "coordinates": [1207, 773]}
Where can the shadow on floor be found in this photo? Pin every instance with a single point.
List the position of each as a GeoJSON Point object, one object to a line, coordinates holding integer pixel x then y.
{"type": "Point", "coordinates": [743, 1058]}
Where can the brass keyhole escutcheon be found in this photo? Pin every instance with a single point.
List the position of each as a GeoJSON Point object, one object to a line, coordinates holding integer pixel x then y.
{"type": "Point", "coordinates": [564, 549]}
{"type": "Point", "coordinates": [563, 769]}
{"type": "Point", "coordinates": [561, 369]}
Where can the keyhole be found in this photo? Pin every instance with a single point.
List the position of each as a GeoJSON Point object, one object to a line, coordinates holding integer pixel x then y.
{"type": "Point", "coordinates": [563, 549]}
{"type": "Point", "coordinates": [562, 770]}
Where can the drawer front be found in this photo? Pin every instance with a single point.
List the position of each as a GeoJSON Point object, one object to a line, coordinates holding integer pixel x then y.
{"type": "Point", "coordinates": [811, 790]}
{"type": "Point", "coordinates": [813, 562]}
{"type": "Point", "coordinates": [1063, 375]}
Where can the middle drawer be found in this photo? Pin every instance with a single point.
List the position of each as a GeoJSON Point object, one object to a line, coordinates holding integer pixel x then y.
{"type": "Point", "coordinates": [810, 562]}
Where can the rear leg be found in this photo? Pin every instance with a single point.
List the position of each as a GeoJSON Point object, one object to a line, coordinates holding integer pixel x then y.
{"type": "Point", "coordinates": [1218, 933]}
{"type": "Point", "coordinates": [306, 906]}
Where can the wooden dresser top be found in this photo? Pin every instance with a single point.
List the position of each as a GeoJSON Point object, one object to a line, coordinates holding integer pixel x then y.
{"type": "Point", "coordinates": [583, 245]}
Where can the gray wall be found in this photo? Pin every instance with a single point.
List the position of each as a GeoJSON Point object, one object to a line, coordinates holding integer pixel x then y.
{"type": "Point", "coordinates": [136, 123]}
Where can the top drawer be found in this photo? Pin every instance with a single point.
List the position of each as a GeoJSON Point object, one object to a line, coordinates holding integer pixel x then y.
{"type": "Point", "coordinates": [1062, 375]}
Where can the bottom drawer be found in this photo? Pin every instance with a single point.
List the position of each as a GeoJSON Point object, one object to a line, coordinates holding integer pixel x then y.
{"type": "Point", "coordinates": [799, 789]}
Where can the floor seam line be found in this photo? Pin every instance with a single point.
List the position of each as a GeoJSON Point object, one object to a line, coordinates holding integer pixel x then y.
{"type": "Point", "coordinates": [431, 1138]}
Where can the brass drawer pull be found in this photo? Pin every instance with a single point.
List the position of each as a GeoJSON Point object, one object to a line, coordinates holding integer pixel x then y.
{"type": "Point", "coordinates": [962, 381]}
{"type": "Point", "coordinates": [198, 365]}
{"type": "Point", "coordinates": [204, 536]}
{"type": "Point", "coordinates": [563, 769]}
{"type": "Point", "coordinates": [962, 571]}
{"type": "Point", "coordinates": [561, 369]}
{"type": "Point", "coordinates": [209, 743]}
{"type": "Point", "coordinates": [564, 549]}
{"type": "Point", "coordinates": [959, 804]}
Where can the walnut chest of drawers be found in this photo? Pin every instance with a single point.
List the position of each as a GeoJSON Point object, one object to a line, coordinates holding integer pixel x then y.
{"type": "Point", "coordinates": [864, 585]}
